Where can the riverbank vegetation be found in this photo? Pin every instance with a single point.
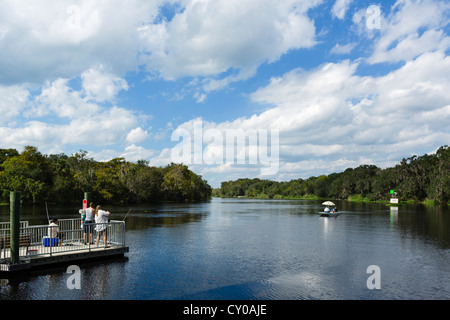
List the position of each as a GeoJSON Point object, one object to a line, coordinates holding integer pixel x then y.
{"type": "Point", "coordinates": [60, 178]}
{"type": "Point", "coordinates": [418, 179]}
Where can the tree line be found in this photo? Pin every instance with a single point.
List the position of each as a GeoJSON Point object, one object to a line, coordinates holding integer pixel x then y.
{"type": "Point", "coordinates": [417, 178]}
{"type": "Point", "coordinates": [59, 178]}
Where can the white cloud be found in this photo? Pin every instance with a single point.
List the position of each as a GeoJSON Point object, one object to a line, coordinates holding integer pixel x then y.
{"type": "Point", "coordinates": [63, 68]}
{"type": "Point", "coordinates": [343, 49]}
{"type": "Point", "coordinates": [70, 117]}
{"type": "Point", "coordinates": [44, 40]}
{"type": "Point", "coordinates": [35, 133]}
{"type": "Point", "coordinates": [13, 99]}
{"type": "Point", "coordinates": [101, 85]}
{"type": "Point", "coordinates": [211, 37]}
{"type": "Point", "coordinates": [134, 153]}
{"type": "Point", "coordinates": [137, 135]}
{"type": "Point", "coordinates": [59, 98]}
{"type": "Point", "coordinates": [224, 41]}
{"type": "Point", "coordinates": [108, 127]}
{"type": "Point", "coordinates": [131, 153]}
{"type": "Point", "coordinates": [340, 7]}
{"type": "Point", "coordinates": [412, 28]}
{"type": "Point", "coordinates": [200, 97]}
{"type": "Point", "coordinates": [329, 118]}
{"type": "Point", "coordinates": [162, 159]}
{"type": "Point", "coordinates": [103, 155]}
{"type": "Point", "coordinates": [331, 105]}
{"type": "Point", "coordinates": [105, 128]}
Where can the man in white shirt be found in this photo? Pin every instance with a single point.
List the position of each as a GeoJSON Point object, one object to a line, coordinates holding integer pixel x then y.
{"type": "Point", "coordinates": [101, 219]}
{"type": "Point", "coordinates": [53, 231]}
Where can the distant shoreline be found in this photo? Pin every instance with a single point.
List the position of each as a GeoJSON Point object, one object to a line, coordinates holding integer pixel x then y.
{"type": "Point", "coordinates": [355, 199]}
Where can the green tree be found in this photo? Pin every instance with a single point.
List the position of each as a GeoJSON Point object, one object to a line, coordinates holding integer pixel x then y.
{"type": "Point", "coordinates": [109, 185]}
{"type": "Point", "coordinates": [180, 184]}
{"type": "Point", "coordinates": [144, 182]}
{"type": "Point", "coordinates": [439, 186]}
{"type": "Point", "coordinates": [28, 172]}
{"type": "Point", "coordinates": [321, 186]}
{"type": "Point", "coordinates": [5, 154]}
{"type": "Point", "coordinates": [83, 171]}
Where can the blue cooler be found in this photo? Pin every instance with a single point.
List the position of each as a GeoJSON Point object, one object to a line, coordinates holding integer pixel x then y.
{"type": "Point", "coordinates": [50, 242]}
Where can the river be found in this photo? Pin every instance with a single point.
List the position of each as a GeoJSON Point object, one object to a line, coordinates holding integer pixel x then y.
{"type": "Point", "coordinates": [227, 249]}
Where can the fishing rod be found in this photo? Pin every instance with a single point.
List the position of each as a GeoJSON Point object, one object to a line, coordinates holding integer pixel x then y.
{"type": "Point", "coordinates": [126, 215]}
{"type": "Point", "coordinates": [46, 210]}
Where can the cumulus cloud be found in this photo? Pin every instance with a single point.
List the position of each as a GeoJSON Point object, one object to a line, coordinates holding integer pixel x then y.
{"type": "Point", "coordinates": [59, 98]}
{"type": "Point", "coordinates": [211, 37]}
{"type": "Point", "coordinates": [137, 135]}
{"type": "Point", "coordinates": [64, 66]}
{"type": "Point", "coordinates": [104, 128]}
{"type": "Point", "coordinates": [107, 127]}
{"type": "Point", "coordinates": [223, 41]}
{"type": "Point", "coordinates": [44, 40]}
{"type": "Point", "coordinates": [13, 99]}
{"type": "Point", "coordinates": [100, 85]}
{"type": "Point", "coordinates": [371, 115]}
{"type": "Point", "coordinates": [330, 118]}
{"type": "Point", "coordinates": [135, 153]}
{"type": "Point", "coordinates": [412, 28]}
{"type": "Point", "coordinates": [58, 115]}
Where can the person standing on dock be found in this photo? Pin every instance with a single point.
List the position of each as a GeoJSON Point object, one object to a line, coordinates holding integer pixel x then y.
{"type": "Point", "coordinates": [101, 219]}
{"type": "Point", "coordinates": [87, 226]}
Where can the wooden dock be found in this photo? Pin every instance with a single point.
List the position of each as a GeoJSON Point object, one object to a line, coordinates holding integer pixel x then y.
{"type": "Point", "coordinates": [24, 247]}
{"type": "Point", "coordinates": [38, 256]}
{"type": "Point", "coordinates": [38, 251]}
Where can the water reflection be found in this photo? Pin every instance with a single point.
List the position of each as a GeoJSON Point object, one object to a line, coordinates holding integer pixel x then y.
{"type": "Point", "coordinates": [393, 214]}
{"type": "Point", "coordinates": [431, 223]}
{"type": "Point", "coordinates": [164, 216]}
{"type": "Point", "coordinates": [260, 249]}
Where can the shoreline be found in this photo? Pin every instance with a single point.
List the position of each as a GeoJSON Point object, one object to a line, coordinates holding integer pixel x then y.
{"type": "Point", "coordinates": [356, 199]}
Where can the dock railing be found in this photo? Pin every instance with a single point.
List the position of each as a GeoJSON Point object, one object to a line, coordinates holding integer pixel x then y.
{"type": "Point", "coordinates": [5, 226]}
{"type": "Point", "coordinates": [67, 236]}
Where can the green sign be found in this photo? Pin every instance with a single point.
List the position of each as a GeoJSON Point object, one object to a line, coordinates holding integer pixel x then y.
{"type": "Point", "coordinates": [392, 191]}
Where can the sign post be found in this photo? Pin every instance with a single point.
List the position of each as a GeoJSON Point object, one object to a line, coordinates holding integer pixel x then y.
{"type": "Point", "coordinates": [394, 199]}
{"type": "Point", "coordinates": [83, 213]}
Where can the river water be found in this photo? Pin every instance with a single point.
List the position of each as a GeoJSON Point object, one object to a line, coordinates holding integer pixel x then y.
{"type": "Point", "coordinates": [227, 249]}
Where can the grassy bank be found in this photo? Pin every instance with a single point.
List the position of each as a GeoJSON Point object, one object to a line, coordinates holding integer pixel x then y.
{"type": "Point", "coordinates": [361, 198]}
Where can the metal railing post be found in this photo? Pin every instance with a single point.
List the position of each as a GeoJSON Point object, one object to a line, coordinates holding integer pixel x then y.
{"type": "Point", "coordinates": [14, 225]}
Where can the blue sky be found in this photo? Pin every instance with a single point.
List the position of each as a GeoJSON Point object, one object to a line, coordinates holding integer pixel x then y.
{"type": "Point", "coordinates": [334, 84]}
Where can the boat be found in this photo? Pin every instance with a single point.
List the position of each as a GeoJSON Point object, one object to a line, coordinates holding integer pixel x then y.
{"type": "Point", "coordinates": [329, 213]}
